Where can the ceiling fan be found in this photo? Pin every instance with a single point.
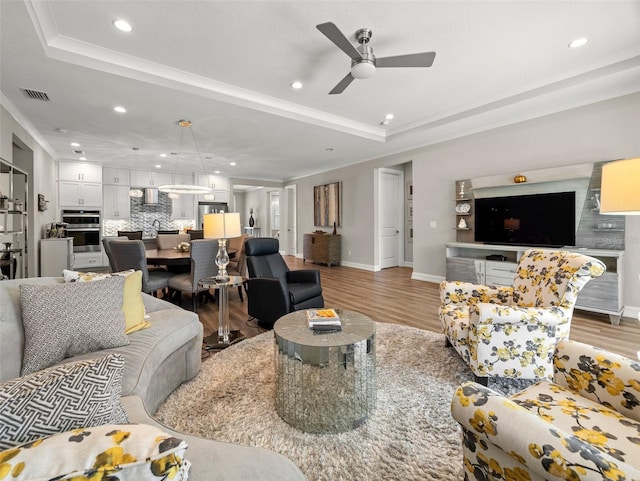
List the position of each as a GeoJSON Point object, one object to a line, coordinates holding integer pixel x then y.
{"type": "Point", "coordinates": [363, 61]}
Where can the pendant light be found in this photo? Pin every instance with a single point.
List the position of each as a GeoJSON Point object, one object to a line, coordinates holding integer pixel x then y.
{"type": "Point", "coordinates": [185, 188]}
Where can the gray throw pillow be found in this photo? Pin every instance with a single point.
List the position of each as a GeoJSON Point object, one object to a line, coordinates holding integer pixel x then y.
{"type": "Point", "coordinates": [65, 397]}
{"type": "Point", "coordinates": [65, 320]}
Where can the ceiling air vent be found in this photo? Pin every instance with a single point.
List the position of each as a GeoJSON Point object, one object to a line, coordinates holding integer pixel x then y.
{"type": "Point", "coordinates": [79, 152]}
{"type": "Point", "coordinates": [35, 95]}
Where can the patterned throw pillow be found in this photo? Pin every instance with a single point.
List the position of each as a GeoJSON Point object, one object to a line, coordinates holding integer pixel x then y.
{"type": "Point", "coordinates": [132, 304]}
{"type": "Point", "coordinates": [65, 320]}
{"type": "Point", "coordinates": [74, 395]}
{"type": "Point", "coordinates": [115, 452]}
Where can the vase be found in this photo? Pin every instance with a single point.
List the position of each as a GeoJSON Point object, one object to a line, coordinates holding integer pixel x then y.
{"type": "Point", "coordinates": [251, 221]}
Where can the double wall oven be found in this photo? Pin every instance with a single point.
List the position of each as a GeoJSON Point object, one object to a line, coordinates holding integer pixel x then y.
{"type": "Point", "coordinates": [84, 227]}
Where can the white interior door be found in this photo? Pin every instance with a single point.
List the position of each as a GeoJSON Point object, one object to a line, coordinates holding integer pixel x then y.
{"type": "Point", "coordinates": [390, 217]}
{"type": "Point", "coordinates": [291, 219]}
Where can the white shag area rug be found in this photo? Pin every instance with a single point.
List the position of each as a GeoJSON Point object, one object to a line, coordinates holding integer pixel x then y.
{"type": "Point", "coordinates": [410, 437]}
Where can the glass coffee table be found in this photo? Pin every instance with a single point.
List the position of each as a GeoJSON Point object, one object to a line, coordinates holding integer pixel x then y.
{"type": "Point", "coordinates": [325, 381]}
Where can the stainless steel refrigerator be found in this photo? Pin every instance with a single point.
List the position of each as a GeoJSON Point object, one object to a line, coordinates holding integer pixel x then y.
{"type": "Point", "coordinates": [210, 208]}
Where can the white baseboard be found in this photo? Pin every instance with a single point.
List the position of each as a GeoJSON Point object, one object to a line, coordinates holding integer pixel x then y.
{"type": "Point", "coordinates": [632, 312]}
{"type": "Point", "coordinates": [355, 265]}
{"type": "Point", "coordinates": [427, 277]}
{"type": "Point", "coordinates": [407, 264]}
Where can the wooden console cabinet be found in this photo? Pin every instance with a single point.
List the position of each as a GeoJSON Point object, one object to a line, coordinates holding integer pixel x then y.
{"type": "Point", "coordinates": [468, 262]}
{"type": "Point", "coordinates": [322, 248]}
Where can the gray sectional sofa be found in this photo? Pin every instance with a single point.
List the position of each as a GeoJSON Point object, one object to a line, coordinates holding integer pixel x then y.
{"type": "Point", "coordinates": [157, 360]}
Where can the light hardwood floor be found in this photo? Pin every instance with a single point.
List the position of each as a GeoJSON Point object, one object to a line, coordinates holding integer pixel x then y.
{"type": "Point", "coordinates": [392, 296]}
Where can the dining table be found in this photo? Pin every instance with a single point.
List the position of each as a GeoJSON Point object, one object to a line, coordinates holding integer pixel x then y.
{"type": "Point", "coordinates": [174, 257]}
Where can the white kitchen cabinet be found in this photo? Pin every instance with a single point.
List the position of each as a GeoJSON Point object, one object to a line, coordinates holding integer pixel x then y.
{"type": "Point", "coordinates": [81, 171]}
{"type": "Point", "coordinates": [56, 254]}
{"type": "Point", "coordinates": [140, 178]}
{"type": "Point", "coordinates": [111, 175]}
{"type": "Point", "coordinates": [213, 181]}
{"type": "Point", "coordinates": [117, 204]}
{"type": "Point", "coordinates": [220, 186]}
{"type": "Point", "coordinates": [183, 207]}
{"type": "Point", "coordinates": [84, 260]}
{"type": "Point", "coordinates": [80, 194]}
{"type": "Point", "coordinates": [183, 179]}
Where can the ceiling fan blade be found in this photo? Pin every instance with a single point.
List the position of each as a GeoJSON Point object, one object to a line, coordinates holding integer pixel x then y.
{"type": "Point", "coordinates": [411, 60]}
{"type": "Point", "coordinates": [343, 84]}
{"type": "Point", "coordinates": [336, 36]}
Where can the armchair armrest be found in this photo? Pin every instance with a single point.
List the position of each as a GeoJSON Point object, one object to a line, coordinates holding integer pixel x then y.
{"type": "Point", "coordinates": [493, 422]}
{"type": "Point", "coordinates": [458, 292]}
{"type": "Point", "coordinates": [487, 313]}
{"type": "Point", "coordinates": [599, 375]}
{"type": "Point", "coordinates": [304, 275]}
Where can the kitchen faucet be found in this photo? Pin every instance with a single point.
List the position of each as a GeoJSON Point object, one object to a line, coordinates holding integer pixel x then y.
{"type": "Point", "coordinates": [153, 224]}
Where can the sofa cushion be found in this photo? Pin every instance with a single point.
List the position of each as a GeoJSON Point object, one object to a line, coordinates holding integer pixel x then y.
{"type": "Point", "coordinates": [64, 320]}
{"type": "Point", "coordinates": [603, 428]}
{"type": "Point", "coordinates": [114, 451]}
{"type": "Point", "coordinates": [73, 395]}
{"type": "Point", "coordinates": [132, 305]}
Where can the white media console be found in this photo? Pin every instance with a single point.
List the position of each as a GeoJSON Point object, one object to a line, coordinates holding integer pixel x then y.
{"type": "Point", "coordinates": [467, 261]}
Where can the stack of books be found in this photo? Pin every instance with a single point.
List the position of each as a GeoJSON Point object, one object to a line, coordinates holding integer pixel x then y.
{"type": "Point", "coordinates": [323, 320]}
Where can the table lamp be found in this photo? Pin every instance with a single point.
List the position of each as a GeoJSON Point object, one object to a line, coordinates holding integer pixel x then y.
{"type": "Point", "coordinates": [620, 187]}
{"type": "Point", "coordinates": [222, 226]}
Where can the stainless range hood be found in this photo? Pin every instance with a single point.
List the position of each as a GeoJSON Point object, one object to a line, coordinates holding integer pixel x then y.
{"type": "Point", "coordinates": [151, 196]}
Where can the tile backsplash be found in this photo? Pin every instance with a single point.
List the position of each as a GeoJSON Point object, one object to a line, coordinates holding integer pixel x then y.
{"type": "Point", "coordinates": [143, 217]}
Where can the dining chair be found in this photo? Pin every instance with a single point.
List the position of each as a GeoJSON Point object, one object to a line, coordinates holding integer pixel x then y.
{"type": "Point", "coordinates": [132, 255]}
{"type": "Point", "coordinates": [107, 249]}
{"type": "Point", "coordinates": [238, 265]}
{"type": "Point", "coordinates": [196, 234]}
{"type": "Point", "coordinates": [130, 234]}
{"type": "Point", "coordinates": [169, 241]}
{"type": "Point", "coordinates": [172, 231]}
{"type": "Point", "coordinates": [203, 265]}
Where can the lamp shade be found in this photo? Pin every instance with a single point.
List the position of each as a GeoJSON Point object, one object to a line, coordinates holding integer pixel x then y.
{"type": "Point", "coordinates": [222, 225]}
{"type": "Point", "coordinates": [620, 188]}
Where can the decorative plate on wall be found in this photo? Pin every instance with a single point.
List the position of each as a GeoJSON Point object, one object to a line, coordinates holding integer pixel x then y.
{"type": "Point", "coordinates": [463, 208]}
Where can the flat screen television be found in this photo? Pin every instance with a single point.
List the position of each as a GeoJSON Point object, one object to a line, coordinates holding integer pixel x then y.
{"type": "Point", "coordinates": [544, 220]}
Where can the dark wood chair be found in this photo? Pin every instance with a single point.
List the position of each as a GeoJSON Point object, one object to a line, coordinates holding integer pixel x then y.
{"type": "Point", "coordinates": [131, 234]}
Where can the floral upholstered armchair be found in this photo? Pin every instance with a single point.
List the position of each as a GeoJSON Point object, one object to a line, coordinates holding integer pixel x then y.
{"type": "Point", "coordinates": [513, 331]}
{"type": "Point", "coordinates": [583, 426]}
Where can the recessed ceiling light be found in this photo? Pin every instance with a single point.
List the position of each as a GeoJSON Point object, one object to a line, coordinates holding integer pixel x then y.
{"type": "Point", "coordinates": [74, 144]}
{"type": "Point", "coordinates": [216, 171]}
{"type": "Point", "coordinates": [158, 166]}
{"type": "Point", "coordinates": [163, 155]}
{"type": "Point", "coordinates": [83, 158]}
{"type": "Point", "coordinates": [296, 85]}
{"type": "Point", "coordinates": [384, 122]}
{"type": "Point", "coordinates": [232, 163]}
{"type": "Point", "coordinates": [122, 25]}
{"type": "Point", "coordinates": [119, 109]}
{"type": "Point", "coordinates": [389, 116]}
{"type": "Point", "coordinates": [579, 42]}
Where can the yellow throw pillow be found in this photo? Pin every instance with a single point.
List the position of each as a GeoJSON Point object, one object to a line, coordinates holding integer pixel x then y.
{"type": "Point", "coordinates": [132, 305]}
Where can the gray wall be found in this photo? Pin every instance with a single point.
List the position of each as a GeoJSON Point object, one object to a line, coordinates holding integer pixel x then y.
{"type": "Point", "coordinates": [32, 158]}
{"type": "Point", "coordinates": [603, 131]}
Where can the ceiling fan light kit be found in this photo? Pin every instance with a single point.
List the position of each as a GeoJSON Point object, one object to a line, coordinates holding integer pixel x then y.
{"type": "Point", "coordinates": [363, 61]}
